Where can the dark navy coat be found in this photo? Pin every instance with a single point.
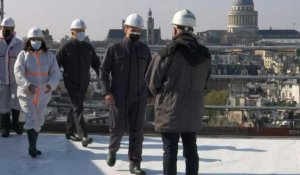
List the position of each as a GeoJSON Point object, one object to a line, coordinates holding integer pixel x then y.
{"type": "Point", "coordinates": [76, 58]}
{"type": "Point", "coordinates": [122, 71]}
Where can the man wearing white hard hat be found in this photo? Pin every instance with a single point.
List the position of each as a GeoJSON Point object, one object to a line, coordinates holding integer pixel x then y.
{"type": "Point", "coordinates": [10, 47]}
{"type": "Point", "coordinates": [126, 92]}
{"type": "Point", "coordinates": [178, 77]}
{"type": "Point", "coordinates": [37, 75]}
{"type": "Point", "coordinates": [76, 57]}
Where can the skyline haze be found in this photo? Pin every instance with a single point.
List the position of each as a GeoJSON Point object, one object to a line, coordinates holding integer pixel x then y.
{"type": "Point", "coordinates": [100, 16]}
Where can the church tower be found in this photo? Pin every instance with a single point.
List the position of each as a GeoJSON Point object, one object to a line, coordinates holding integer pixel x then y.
{"type": "Point", "coordinates": [242, 17]}
{"type": "Point", "coordinates": [150, 29]}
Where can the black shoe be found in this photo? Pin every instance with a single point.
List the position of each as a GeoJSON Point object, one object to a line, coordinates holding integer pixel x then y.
{"type": "Point", "coordinates": [111, 159]}
{"type": "Point", "coordinates": [18, 130]}
{"type": "Point", "coordinates": [5, 133]}
{"type": "Point", "coordinates": [137, 170]}
{"type": "Point", "coordinates": [38, 152]}
{"type": "Point", "coordinates": [72, 137]}
{"type": "Point", "coordinates": [34, 152]}
{"type": "Point", "coordinates": [86, 140]}
{"type": "Point", "coordinates": [32, 139]}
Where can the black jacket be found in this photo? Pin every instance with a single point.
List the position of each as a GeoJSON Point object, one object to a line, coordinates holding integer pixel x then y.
{"type": "Point", "coordinates": [178, 76]}
{"type": "Point", "coordinates": [76, 58]}
{"type": "Point", "coordinates": [127, 64]}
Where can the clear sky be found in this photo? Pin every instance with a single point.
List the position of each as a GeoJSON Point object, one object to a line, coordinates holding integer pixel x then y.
{"type": "Point", "coordinates": [101, 15]}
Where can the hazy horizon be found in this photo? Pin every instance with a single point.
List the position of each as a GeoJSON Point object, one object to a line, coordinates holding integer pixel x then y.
{"type": "Point", "coordinates": [100, 16]}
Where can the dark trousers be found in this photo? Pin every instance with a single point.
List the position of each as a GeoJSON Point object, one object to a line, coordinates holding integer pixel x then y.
{"type": "Point", "coordinates": [75, 119]}
{"type": "Point", "coordinates": [131, 118]}
{"type": "Point", "coordinates": [5, 119]}
{"type": "Point", "coordinates": [190, 152]}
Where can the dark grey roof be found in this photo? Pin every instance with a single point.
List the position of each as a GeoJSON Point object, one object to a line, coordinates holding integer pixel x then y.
{"type": "Point", "coordinates": [277, 34]}
{"type": "Point", "coordinates": [119, 34]}
{"type": "Point", "coordinates": [115, 33]}
{"type": "Point", "coordinates": [236, 69]}
{"type": "Point", "coordinates": [218, 32]}
{"type": "Point", "coordinates": [242, 2]}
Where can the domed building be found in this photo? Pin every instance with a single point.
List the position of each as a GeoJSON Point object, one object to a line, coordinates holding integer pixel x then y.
{"type": "Point", "coordinates": [242, 28]}
{"type": "Point", "coordinates": [242, 17]}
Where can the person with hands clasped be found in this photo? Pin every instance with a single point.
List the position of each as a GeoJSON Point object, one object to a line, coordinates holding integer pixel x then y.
{"type": "Point", "coordinates": [37, 74]}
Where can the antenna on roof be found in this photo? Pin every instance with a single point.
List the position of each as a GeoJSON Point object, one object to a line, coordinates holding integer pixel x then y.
{"type": "Point", "coordinates": [294, 25]}
{"type": "Point", "coordinates": [2, 10]}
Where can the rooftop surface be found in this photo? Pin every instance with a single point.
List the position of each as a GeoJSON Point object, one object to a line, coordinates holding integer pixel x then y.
{"type": "Point", "coordinates": [218, 156]}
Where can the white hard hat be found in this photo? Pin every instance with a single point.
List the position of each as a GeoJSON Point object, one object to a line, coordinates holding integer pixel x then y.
{"type": "Point", "coordinates": [135, 20]}
{"type": "Point", "coordinates": [78, 24]}
{"type": "Point", "coordinates": [35, 33]}
{"type": "Point", "coordinates": [184, 18]}
{"type": "Point", "coordinates": [8, 22]}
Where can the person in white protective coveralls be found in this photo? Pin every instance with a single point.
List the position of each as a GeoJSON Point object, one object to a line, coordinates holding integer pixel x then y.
{"type": "Point", "coordinates": [10, 47]}
{"type": "Point", "coordinates": [37, 74]}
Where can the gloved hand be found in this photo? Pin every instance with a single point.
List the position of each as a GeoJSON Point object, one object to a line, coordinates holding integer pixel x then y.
{"type": "Point", "coordinates": [32, 88]}
{"type": "Point", "coordinates": [109, 99]}
{"type": "Point", "coordinates": [48, 89]}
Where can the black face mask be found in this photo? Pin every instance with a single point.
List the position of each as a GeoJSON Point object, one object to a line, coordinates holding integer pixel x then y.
{"type": "Point", "coordinates": [134, 37]}
{"type": "Point", "coordinates": [6, 33]}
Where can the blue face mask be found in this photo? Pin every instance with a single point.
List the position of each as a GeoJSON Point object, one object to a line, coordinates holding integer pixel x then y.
{"type": "Point", "coordinates": [36, 45]}
{"type": "Point", "coordinates": [80, 36]}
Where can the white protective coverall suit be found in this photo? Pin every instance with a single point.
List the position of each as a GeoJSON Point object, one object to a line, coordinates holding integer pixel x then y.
{"type": "Point", "coordinates": [8, 87]}
{"type": "Point", "coordinates": [39, 69]}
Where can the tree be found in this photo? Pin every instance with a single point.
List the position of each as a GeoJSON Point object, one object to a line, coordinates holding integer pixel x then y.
{"type": "Point", "coordinates": [215, 97]}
